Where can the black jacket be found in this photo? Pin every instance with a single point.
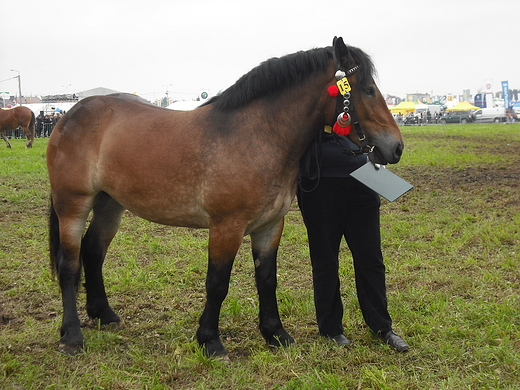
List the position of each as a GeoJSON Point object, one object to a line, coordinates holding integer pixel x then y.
{"type": "Point", "coordinates": [332, 159]}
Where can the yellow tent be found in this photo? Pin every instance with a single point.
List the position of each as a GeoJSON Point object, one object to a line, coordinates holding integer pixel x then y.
{"type": "Point", "coordinates": [463, 106]}
{"type": "Point", "coordinates": [403, 108]}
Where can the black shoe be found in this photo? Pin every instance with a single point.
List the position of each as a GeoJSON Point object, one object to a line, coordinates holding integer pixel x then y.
{"type": "Point", "coordinates": [340, 340]}
{"type": "Point", "coordinates": [392, 339]}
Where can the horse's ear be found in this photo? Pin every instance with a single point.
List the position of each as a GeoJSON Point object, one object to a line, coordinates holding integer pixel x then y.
{"type": "Point", "coordinates": [340, 49]}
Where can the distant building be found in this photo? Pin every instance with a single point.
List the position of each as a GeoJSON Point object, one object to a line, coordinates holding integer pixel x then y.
{"type": "Point", "coordinates": [418, 97]}
{"type": "Point", "coordinates": [50, 104]}
{"type": "Point", "coordinates": [8, 101]}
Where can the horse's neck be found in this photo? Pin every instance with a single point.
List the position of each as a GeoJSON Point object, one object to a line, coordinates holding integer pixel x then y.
{"type": "Point", "coordinates": [281, 127]}
{"type": "Point", "coordinates": [296, 119]}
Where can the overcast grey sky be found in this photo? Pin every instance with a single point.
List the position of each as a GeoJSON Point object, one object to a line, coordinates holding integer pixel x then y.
{"type": "Point", "coordinates": [186, 46]}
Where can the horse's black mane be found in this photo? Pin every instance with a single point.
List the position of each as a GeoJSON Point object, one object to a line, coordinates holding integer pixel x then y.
{"type": "Point", "coordinates": [277, 74]}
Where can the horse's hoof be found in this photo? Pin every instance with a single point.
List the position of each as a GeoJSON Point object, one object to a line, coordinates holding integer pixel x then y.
{"type": "Point", "coordinates": [216, 352]}
{"type": "Point", "coordinates": [104, 315]}
{"type": "Point", "coordinates": [223, 358]}
{"type": "Point", "coordinates": [70, 350]}
{"type": "Point", "coordinates": [283, 340]}
{"type": "Point", "coordinates": [112, 327]}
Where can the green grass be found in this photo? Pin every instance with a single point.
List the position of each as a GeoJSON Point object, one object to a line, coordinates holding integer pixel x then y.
{"type": "Point", "coordinates": [452, 251]}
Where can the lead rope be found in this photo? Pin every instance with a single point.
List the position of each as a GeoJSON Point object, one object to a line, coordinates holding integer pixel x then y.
{"type": "Point", "coordinates": [309, 154]}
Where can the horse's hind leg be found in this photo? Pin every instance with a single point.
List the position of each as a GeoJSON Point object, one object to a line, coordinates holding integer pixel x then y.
{"type": "Point", "coordinates": [264, 245]}
{"type": "Point", "coordinates": [103, 227]}
{"type": "Point", "coordinates": [29, 135]}
{"type": "Point", "coordinates": [65, 255]}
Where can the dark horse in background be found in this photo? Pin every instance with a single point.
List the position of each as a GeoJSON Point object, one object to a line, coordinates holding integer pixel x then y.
{"type": "Point", "coordinates": [229, 166]}
{"type": "Point", "coordinates": [16, 117]}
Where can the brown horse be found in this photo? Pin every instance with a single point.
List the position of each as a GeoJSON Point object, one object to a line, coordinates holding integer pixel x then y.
{"type": "Point", "coordinates": [17, 117]}
{"type": "Point", "coordinates": [230, 166]}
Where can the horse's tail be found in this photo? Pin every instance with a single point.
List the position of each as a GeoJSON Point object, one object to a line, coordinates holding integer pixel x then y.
{"type": "Point", "coordinates": [32, 125]}
{"type": "Point", "coordinates": [54, 238]}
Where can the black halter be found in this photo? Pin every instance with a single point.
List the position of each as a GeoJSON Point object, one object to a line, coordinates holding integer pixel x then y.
{"type": "Point", "coordinates": [345, 106]}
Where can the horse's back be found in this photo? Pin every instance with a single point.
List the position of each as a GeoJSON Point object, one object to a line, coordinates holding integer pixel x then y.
{"type": "Point", "coordinates": [97, 119]}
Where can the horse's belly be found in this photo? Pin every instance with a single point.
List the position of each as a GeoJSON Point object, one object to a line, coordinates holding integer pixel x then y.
{"type": "Point", "coordinates": [166, 213]}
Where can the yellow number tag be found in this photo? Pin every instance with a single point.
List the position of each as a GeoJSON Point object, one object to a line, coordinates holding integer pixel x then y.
{"type": "Point", "coordinates": [343, 86]}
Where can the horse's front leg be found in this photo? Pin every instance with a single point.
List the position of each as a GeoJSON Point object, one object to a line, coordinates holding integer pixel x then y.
{"type": "Point", "coordinates": [4, 136]}
{"type": "Point", "coordinates": [223, 246]}
{"type": "Point", "coordinates": [265, 248]}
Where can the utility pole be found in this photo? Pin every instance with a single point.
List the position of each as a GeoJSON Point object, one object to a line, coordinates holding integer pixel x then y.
{"type": "Point", "coordinates": [19, 86]}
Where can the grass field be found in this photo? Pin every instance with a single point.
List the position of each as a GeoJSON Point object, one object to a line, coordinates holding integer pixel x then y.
{"type": "Point", "coordinates": [452, 248]}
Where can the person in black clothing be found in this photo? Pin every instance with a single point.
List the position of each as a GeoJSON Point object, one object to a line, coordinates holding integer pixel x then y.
{"type": "Point", "coordinates": [39, 126]}
{"type": "Point", "coordinates": [47, 125]}
{"type": "Point", "coordinates": [335, 205]}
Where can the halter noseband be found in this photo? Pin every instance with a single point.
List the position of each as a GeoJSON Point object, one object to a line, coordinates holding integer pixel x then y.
{"type": "Point", "coordinates": [348, 116]}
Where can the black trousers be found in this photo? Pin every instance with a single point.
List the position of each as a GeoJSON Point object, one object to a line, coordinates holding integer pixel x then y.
{"type": "Point", "coordinates": [337, 208]}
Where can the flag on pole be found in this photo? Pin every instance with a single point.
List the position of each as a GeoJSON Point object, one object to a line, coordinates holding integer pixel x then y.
{"type": "Point", "coordinates": [505, 93]}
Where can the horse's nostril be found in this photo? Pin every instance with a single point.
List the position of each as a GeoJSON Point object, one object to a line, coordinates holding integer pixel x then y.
{"type": "Point", "coordinates": [399, 149]}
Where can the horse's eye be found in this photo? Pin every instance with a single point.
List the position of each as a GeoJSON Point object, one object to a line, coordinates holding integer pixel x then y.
{"type": "Point", "coordinates": [371, 91]}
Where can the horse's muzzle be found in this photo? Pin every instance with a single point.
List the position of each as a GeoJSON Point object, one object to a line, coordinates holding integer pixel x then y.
{"type": "Point", "coordinates": [387, 155]}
